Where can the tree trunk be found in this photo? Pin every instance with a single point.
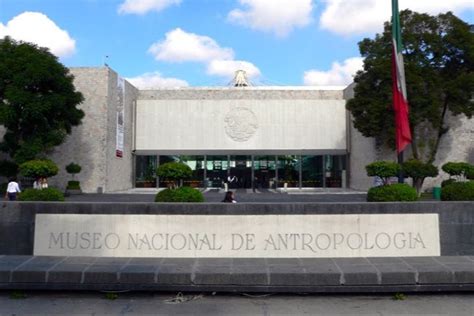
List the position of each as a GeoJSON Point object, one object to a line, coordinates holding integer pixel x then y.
{"type": "Point", "coordinates": [441, 132]}
{"type": "Point", "coordinates": [418, 184]}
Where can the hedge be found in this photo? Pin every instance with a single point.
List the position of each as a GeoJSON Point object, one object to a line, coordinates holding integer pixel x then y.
{"type": "Point", "coordinates": [458, 191]}
{"type": "Point", "coordinates": [183, 194]}
{"type": "Point", "coordinates": [48, 194]}
{"type": "Point", "coordinates": [392, 193]}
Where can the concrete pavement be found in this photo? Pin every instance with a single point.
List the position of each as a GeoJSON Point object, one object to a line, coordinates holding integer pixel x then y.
{"type": "Point", "coordinates": [95, 303]}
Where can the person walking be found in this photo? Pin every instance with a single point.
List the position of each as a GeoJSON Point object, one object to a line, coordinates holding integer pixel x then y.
{"type": "Point", "coordinates": [229, 197]}
{"type": "Point", "coordinates": [12, 190]}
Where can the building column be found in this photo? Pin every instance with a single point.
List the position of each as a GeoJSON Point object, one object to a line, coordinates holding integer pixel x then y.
{"type": "Point", "coordinates": [300, 171]}
{"type": "Point", "coordinates": [204, 181]}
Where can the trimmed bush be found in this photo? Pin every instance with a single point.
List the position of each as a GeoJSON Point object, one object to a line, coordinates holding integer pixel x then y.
{"type": "Point", "coordinates": [73, 168]}
{"type": "Point", "coordinates": [174, 171]}
{"type": "Point", "coordinates": [48, 194]}
{"type": "Point", "coordinates": [73, 185]}
{"type": "Point", "coordinates": [38, 169]}
{"type": "Point", "coordinates": [459, 169]}
{"type": "Point", "coordinates": [383, 169]}
{"type": "Point", "coordinates": [418, 171]}
{"type": "Point", "coordinates": [183, 194]}
{"type": "Point", "coordinates": [458, 191]}
{"type": "Point", "coordinates": [392, 193]}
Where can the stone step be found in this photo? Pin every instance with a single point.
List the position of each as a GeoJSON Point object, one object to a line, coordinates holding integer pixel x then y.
{"type": "Point", "coordinates": [322, 275]}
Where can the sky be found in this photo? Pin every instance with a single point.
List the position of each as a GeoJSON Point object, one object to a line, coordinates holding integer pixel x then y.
{"type": "Point", "coordinates": [176, 43]}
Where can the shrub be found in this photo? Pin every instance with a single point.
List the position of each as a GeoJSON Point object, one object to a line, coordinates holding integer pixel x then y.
{"type": "Point", "coordinates": [38, 169]}
{"type": "Point", "coordinates": [183, 194]}
{"type": "Point", "coordinates": [49, 194]}
{"type": "Point", "coordinates": [470, 174]}
{"type": "Point", "coordinates": [174, 171]}
{"type": "Point", "coordinates": [459, 169]}
{"type": "Point", "coordinates": [446, 182]}
{"type": "Point", "coordinates": [458, 191]}
{"type": "Point", "coordinates": [73, 185]}
{"type": "Point", "coordinates": [383, 169]}
{"type": "Point", "coordinates": [418, 171]}
{"type": "Point", "coordinates": [391, 193]}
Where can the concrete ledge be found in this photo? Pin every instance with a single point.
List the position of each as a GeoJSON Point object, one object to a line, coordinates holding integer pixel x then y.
{"type": "Point", "coordinates": [456, 219]}
{"type": "Point", "coordinates": [342, 275]}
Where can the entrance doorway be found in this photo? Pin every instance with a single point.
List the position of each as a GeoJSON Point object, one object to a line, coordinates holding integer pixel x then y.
{"type": "Point", "coordinates": [240, 172]}
{"type": "Point", "coordinates": [264, 172]}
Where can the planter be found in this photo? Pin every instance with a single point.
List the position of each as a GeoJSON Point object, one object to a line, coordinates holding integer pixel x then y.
{"type": "Point", "coordinates": [73, 192]}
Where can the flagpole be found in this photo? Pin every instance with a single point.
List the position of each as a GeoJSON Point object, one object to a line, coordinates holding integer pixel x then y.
{"type": "Point", "coordinates": [401, 176]}
{"type": "Point", "coordinates": [399, 94]}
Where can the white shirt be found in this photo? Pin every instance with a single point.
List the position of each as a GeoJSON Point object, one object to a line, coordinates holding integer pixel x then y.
{"type": "Point", "coordinates": [13, 187]}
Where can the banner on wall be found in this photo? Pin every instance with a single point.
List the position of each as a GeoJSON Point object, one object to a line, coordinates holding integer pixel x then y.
{"type": "Point", "coordinates": [120, 117]}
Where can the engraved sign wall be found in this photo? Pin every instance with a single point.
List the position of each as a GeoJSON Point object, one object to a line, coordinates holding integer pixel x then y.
{"type": "Point", "coordinates": [237, 236]}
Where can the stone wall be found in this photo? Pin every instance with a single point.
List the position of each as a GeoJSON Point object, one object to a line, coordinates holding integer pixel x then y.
{"type": "Point", "coordinates": [304, 126]}
{"type": "Point", "coordinates": [456, 219]}
{"type": "Point", "coordinates": [119, 171]}
{"type": "Point", "coordinates": [87, 142]}
{"type": "Point", "coordinates": [92, 144]}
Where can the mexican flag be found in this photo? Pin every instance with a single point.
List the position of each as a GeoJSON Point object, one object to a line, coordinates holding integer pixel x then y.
{"type": "Point", "coordinates": [400, 102]}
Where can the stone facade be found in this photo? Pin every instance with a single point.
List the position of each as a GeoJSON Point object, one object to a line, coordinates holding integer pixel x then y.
{"type": "Point", "coordinates": [92, 144]}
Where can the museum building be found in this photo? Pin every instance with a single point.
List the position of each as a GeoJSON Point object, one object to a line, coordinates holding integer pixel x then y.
{"type": "Point", "coordinates": [257, 136]}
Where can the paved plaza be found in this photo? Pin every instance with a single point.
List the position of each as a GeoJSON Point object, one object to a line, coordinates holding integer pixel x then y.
{"type": "Point", "coordinates": [96, 303]}
{"type": "Point", "coordinates": [241, 195]}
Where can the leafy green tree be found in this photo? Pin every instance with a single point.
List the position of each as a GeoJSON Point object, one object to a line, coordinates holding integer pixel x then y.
{"type": "Point", "coordinates": [39, 169]}
{"type": "Point", "coordinates": [439, 63]}
{"type": "Point", "coordinates": [8, 168]}
{"type": "Point", "coordinates": [174, 172]}
{"type": "Point", "coordinates": [383, 169]}
{"type": "Point", "coordinates": [418, 171]}
{"type": "Point", "coordinates": [37, 100]}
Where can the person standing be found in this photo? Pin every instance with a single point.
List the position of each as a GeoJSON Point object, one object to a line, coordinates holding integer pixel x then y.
{"type": "Point", "coordinates": [12, 190]}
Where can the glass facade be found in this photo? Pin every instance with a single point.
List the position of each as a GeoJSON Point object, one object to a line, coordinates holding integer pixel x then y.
{"type": "Point", "coordinates": [196, 163]}
{"type": "Point", "coordinates": [312, 175]}
{"type": "Point", "coordinates": [247, 171]}
{"type": "Point", "coordinates": [145, 171]}
{"type": "Point", "coordinates": [288, 171]}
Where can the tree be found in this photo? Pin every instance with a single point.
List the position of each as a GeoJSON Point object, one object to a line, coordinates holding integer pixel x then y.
{"type": "Point", "coordinates": [383, 169]}
{"type": "Point", "coordinates": [174, 171]}
{"type": "Point", "coordinates": [459, 170]}
{"type": "Point", "coordinates": [39, 169]}
{"type": "Point", "coordinates": [418, 171]}
{"type": "Point", "coordinates": [37, 100]}
{"type": "Point", "coordinates": [439, 63]}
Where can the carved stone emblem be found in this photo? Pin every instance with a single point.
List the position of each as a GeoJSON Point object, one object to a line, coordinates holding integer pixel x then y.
{"type": "Point", "coordinates": [240, 124]}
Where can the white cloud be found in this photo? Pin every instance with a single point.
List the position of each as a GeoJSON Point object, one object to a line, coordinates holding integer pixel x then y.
{"type": "Point", "coordinates": [227, 68]}
{"type": "Point", "coordinates": [180, 46]}
{"type": "Point", "coordinates": [339, 74]}
{"type": "Point", "coordinates": [363, 16]}
{"type": "Point", "coordinates": [274, 16]}
{"type": "Point", "coordinates": [154, 80]}
{"type": "Point", "coordinates": [145, 6]}
{"type": "Point", "coordinates": [35, 27]}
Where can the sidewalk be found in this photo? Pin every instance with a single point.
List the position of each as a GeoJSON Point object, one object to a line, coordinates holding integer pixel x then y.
{"type": "Point", "coordinates": [341, 275]}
